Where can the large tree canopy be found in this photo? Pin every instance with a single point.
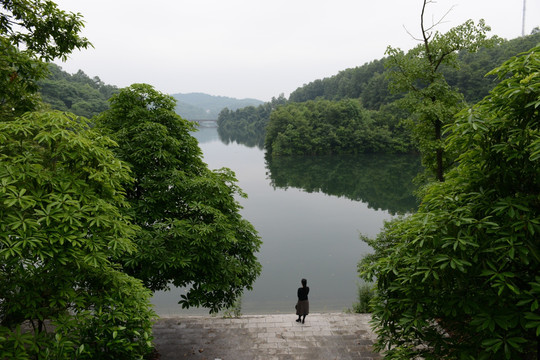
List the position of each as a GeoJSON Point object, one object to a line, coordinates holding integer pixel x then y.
{"type": "Point", "coordinates": [460, 278]}
{"type": "Point", "coordinates": [60, 199]}
{"type": "Point", "coordinates": [192, 233]}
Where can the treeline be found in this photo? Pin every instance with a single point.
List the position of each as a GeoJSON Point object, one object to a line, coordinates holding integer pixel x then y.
{"type": "Point", "coordinates": [333, 127]}
{"type": "Point", "coordinates": [76, 93]}
{"type": "Point", "coordinates": [369, 82]}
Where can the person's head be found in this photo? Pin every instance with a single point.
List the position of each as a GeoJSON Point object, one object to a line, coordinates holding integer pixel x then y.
{"type": "Point", "coordinates": [304, 282]}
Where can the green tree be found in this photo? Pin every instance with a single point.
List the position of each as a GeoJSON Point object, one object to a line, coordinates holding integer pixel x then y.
{"type": "Point", "coordinates": [460, 278]}
{"type": "Point", "coordinates": [191, 231]}
{"type": "Point", "coordinates": [32, 32]}
{"type": "Point", "coordinates": [433, 102]}
{"type": "Point", "coordinates": [60, 201]}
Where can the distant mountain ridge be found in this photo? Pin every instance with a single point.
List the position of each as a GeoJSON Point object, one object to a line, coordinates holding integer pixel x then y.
{"type": "Point", "coordinates": [200, 106]}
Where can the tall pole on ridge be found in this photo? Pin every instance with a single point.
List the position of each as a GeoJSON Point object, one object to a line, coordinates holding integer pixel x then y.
{"type": "Point", "coordinates": [523, 21]}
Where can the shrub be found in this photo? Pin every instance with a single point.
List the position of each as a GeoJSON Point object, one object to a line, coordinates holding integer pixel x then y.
{"type": "Point", "coordinates": [365, 294]}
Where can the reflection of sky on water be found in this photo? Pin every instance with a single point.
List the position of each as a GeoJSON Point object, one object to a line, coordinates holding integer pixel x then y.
{"type": "Point", "coordinates": [309, 235]}
{"type": "Point", "coordinates": [205, 135]}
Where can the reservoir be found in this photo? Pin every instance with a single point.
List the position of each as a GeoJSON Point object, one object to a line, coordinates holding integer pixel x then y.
{"type": "Point", "coordinates": [309, 213]}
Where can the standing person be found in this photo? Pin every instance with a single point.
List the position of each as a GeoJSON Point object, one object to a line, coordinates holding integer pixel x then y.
{"type": "Point", "coordinates": [302, 307]}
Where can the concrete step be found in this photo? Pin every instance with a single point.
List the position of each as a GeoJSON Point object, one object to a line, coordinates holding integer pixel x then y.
{"type": "Point", "coordinates": [251, 337]}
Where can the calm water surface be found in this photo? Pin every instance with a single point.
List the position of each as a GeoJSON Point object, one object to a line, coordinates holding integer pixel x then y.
{"type": "Point", "coordinates": [309, 213]}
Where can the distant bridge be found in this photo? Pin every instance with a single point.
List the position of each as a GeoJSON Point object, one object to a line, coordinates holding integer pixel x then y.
{"type": "Point", "coordinates": [206, 123]}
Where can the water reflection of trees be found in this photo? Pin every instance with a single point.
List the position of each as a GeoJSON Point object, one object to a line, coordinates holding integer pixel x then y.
{"type": "Point", "coordinates": [383, 181]}
{"type": "Point", "coordinates": [248, 136]}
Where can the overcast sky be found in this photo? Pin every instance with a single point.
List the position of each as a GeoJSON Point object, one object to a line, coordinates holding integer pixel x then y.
{"type": "Point", "coordinates": [260, 48]}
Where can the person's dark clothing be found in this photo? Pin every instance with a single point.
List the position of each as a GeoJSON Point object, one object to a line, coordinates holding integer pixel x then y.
{"type": "Point", "coordinates": [302, 307]}
{"type": "Point", "coordinates": [303, 293]}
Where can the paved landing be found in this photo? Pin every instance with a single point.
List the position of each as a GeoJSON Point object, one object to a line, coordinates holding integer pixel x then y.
{"type": "Point", "coordinates": [265, 337]}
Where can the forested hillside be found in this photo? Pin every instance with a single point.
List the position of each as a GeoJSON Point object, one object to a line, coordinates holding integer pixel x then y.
{"type": "Point", "coordinates": [76, 93]}
{"type": "Point", "coordinates": [369, 83]}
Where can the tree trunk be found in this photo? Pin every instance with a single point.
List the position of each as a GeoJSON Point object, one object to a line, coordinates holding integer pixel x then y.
{"type": "Point", "coordinates": [438, 137]}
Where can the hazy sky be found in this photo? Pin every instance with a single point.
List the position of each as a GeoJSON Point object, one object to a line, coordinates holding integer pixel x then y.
{"type": "Point", "coordinates": [260, 48]}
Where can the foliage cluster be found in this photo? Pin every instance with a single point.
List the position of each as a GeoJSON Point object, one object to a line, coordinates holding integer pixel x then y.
{"type": "Point", "coordinates": [459, 278]}
{"type": "Point", "coordinates": [190, 227]}
{"type": "Point", "coordinates": [76, 93]}
{"type": "Point", "coordinates": [327, 127]}
{"type": "Point", "coordinates": [61, 294]}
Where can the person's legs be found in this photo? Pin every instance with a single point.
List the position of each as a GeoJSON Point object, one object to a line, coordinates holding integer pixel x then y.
{"type": "Point", "coordinates": [303, 319]}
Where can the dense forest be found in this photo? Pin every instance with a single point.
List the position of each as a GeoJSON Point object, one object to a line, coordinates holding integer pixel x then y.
{"type": "Point", "coordinates": [369, 85]}
{"type": "Point", "coordinates": [333, 127]}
